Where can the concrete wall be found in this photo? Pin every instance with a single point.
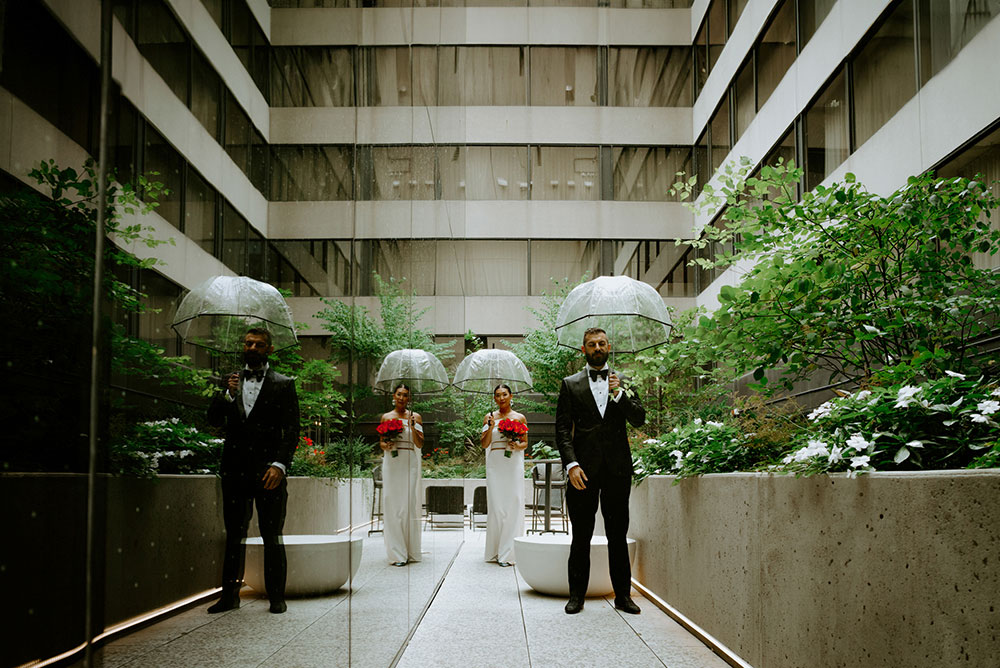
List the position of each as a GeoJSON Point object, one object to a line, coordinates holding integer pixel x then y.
{"type": "Point", "coordinates": [882, 570]}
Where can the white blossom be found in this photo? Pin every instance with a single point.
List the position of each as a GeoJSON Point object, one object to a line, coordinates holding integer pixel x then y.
{"type": "Point", "coordinates": [996, 392]}
{"type": "Point", "coordinates": [905, 395]}
{"type": "Point", "coordinates": [835, 455]}
{"type": "Point", "coordinates": [859, 461]}
{"type": "Point", "coordinates": [915, 444]}
{"type": "Point", "coordinates": [858, 442]}
{"type": "Point", "coordinates": [713, 424]}
{"type": "Point", "coordinates": [650, 441]}
{"type": "Point", "coordinates": [697, 421]}
{"type": "Point", "coordinates": [955, 374]}
{"type": "Point", "coordinates": [976, 417]}
{"type": "Point", "coordinates": [821, 411]}
{"type": "Point", "coordinates": [988, 407]}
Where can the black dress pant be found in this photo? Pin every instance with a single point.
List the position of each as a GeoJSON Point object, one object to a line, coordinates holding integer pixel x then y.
{"type": "Point", "coordinates": [612, 492]}
{"type": "Point", "coordinates": [239, 493]}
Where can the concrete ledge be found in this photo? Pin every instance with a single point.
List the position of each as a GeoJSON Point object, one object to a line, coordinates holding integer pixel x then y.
{"type": "Point", "coordinates": [881, 570]}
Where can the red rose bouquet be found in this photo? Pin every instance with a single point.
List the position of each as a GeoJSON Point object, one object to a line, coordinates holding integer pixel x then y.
{"type": "Point", "coordinates": [512, 430]}
{"type": "Point", "coordinates": [389, 430]}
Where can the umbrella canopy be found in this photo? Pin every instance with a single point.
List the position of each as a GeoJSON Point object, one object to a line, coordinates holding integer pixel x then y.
{"type": "Point", "coordinates": [630, 311]}
{"type": "Point", "coordinates": [217, 313]}
{"type": "Point", "coordinates": [483, 370]}
{"type": "Point", "coordinates": [420, 370]}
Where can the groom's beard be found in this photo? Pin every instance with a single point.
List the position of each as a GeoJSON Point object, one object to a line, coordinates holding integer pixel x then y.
{"type": "Point", "coordinates": [254, 359]}
{"type": "Point", "coordinates": [596, 359]}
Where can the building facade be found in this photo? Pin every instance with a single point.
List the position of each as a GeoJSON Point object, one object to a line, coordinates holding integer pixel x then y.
{"type": "Point", "coordinates": [477, 152]}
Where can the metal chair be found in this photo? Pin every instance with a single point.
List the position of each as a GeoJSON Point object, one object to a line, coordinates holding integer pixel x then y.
{"type": "Point", "coordinates": [376, 494]}
{"type": "Point", "coordinates": [443, 504]}
{"type": "Point", "coordinates": [479, 507]}
{"type": "Point", "coordinates": [557, 499]}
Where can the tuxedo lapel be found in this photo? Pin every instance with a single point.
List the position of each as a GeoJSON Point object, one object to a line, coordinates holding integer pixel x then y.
{"type": "Point", "coordinates": [585, 395]}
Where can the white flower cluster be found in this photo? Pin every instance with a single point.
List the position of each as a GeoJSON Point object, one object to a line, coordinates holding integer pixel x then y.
{"type": "Point", "coordinates": [857, 447]}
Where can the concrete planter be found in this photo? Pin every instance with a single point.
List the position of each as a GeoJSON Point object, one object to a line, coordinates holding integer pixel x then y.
{"type": "Point", "coordinates": [888, 569]}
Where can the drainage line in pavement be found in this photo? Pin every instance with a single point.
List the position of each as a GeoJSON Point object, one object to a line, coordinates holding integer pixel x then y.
{"type": "Point", "coordinates": [726, 654]}
{"type": "Point", "coordinates": [430, 601]}
{"type": "Point", "coordinates": [524, 623]}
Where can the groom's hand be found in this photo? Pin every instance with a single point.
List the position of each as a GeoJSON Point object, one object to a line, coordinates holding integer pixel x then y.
{"type": "Point", "coordinates": [577, 477]}
{"type": "Point", "coordinates": [272, 477]}
{"type": "Point", "coordinates": [613, 384]}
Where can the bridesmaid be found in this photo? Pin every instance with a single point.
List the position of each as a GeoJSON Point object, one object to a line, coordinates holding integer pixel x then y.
{"type": "Point", "coordinates": [504, 481]}
{"type": "Point", "coordinates": [401, 481]}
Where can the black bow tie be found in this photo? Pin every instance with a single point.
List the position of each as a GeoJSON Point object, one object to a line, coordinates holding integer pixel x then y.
{"type": "Point", "coordinates": [255, 374]}
{"type": "Point", "coordinates": [594, 373]}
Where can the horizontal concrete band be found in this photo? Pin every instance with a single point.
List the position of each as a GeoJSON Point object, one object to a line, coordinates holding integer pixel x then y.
{"type": "Point", "coordinates": [481, 25]}
{"type": "Point", "coordinates": [586, 126]}
{"type": "Point", "coordinates": [880, 570]}
{"type": "Point", "coordinates": [487, 219]}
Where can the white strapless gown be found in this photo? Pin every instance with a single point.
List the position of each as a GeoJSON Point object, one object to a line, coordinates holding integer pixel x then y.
{"type": "Point", "coordinates": [401, 499]}
{"type": "Point", "coordinates": [504, 498]}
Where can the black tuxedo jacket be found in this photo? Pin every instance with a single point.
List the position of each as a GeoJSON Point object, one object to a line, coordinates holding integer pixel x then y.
{"type": "Point", "coordinates": [269, 434]}
{"type": "Point", "coordinates": [583, 436]}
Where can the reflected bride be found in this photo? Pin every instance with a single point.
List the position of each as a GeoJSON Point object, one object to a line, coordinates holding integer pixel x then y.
{"type": "Point", "coordinates": [401, 435]}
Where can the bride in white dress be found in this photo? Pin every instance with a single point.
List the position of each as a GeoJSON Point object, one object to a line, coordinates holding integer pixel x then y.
{"type": "Point", "coordinates": [401, 481]}
{"type": "Point", "coordinates": [504, 481]}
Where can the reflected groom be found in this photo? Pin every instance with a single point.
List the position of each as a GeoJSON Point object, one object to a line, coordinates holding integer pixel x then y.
{"type": "Point", "coordinates": [260, 412]}
{"type": "Point", "coordinates": [591, 436]}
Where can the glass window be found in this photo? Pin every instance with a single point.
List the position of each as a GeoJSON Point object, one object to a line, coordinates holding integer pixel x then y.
{"type": "Point", "coordinates": [481, 75]}
{"type": "Point", "coordinates": [488, 173]}
{"type": "Point", "coordinates": [214, 9]}
{"type": "Point", "coordinates": [719, 135]}
{"type": "Point", "coordinates": [256, 254]}
{"type": "Point", "coordinates": [702, 162]}
{"type": "Point", "coordinates": [161, 162]}
{"type": "Point", "coordinates": [680, 279]}
{"type": "Point", "coordinates": [564, 76]}
{"type": "Point", "coordinates": [237, 135]}
{"type": "Point", "coordinates": [258, 160]}
{"type": "Point", "coordinates": [736, 8]}
{"type": "Point", "coordinates": [946, 27]}
{"type": "Point", "coordinates": [981, 160]}
{"type": "Point", "coordinates": [206, 93]}
{"type": "Point", "coordinates": [260, 59]}
{"type": "Point", "coordinates": [164, 44]}
{"type": "Point", "coordinates": [481, 268]}
{"type": "Point", "coordinates": [700, 51]}
{"type": "Point", "coordinates": [827, 136]}
{"type": "Point", "coordinates": [645, 174]}
{"type": "Point", "coordinates": [161, 301]}
{"type": "Point", "coordinates": [405, 76]}
{"type": "Point", "coordinates": [404, 172]}
{"type": "Point", "coordinates": [565, 173]}
{"type": "Point", "coordinates": [562, 260]}
{"type": "Point", "coordinates": [717, 32]}
{"type": "Point", "coordinates": [811, 15]}
{"type": "Point", "coordinates": [312, 76]}
{"type": "Point", "coordinates": [234, 239]}
{"type": "Point", "coordinates": [884, 73]}
{"type": "Point", "coordinates": [322, 265]}
{"type": "Point", "coordinates": [745, 100]}
{"type": "Point", "coordinates": [240, 31]}
{"type": "Point", "coordinates": [200, 205]}
{"type": "Point", "coordinates": [311, 173]}
{"type": "Point", "coordinates": [649, 76]}
{"type": "Point", "coordinates": [414, 262]}
{"type": "Point", "coordinates": [123, 131]}
{"type": "Point", "coordinates": [776, 51]}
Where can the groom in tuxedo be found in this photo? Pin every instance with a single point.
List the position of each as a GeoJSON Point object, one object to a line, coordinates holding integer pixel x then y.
{"type": "Point", "coordinates": [590, 434]}
{"type": "Point", "coordinates": [260, 412]}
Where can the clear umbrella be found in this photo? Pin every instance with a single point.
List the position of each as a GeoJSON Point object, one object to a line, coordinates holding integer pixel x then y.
{"type": "Point", "coordinates": [630, 311]}
{"type": "Point", "coordinates": [420, 370]}
{"type": "Point", "coordinates": [483, 370]}
{"type": "Point", "coordinates": [217, 313]}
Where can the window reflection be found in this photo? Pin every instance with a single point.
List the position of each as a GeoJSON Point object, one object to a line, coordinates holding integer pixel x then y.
{"type": "Point", "coordinates": [827, 132]}
{"type": "Point", "coordinates": [564, 173]}
{"type": "Point", "coordinates": [312, 76]}
{"type": "Point", "coordinates": [884, 73]}
{"type": "Point", "coordinates": [404, 172]}
{"type": "Point", "coordinates": [481, 75]}
{"type": "Point", "coordinates": [562, 260]}
{"type": "Point", "coordinates": [311, 173]}
{"type": "Point", "coordinates": [564, 76]}
{"type": "Point", "coordinates": [645, 174]}
{"type": "Point", "coordinates": [649, 76]}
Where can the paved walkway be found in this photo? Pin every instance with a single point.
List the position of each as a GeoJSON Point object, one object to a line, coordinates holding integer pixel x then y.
{"type": "Point", "coordinates": [482, 616]}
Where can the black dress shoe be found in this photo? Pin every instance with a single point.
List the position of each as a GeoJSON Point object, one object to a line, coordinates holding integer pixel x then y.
{"type": "Point", "coordinates": [574, 605]}
{"type": "Point", "coordinates": [627, 605]}
{"type": "Point", "coordinates": [224, 604]}
{"type": "Point", "coordinates": [278, 607]}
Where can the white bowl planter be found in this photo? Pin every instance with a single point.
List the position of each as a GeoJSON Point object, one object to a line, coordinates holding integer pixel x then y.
{"type": "Point", "coordinates": [317, 564]}
{"type": "Point", "coordinates": [541, 560]}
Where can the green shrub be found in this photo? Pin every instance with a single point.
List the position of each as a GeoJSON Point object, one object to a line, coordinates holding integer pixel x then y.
{"type": "Point", "coordinates": [164, 446]}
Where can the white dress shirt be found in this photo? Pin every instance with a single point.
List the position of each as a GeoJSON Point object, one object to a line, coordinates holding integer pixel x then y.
{"type": "Point", "coordinates": [249, 391]}
{"type": "Point", "coordinates": [599, 388]}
